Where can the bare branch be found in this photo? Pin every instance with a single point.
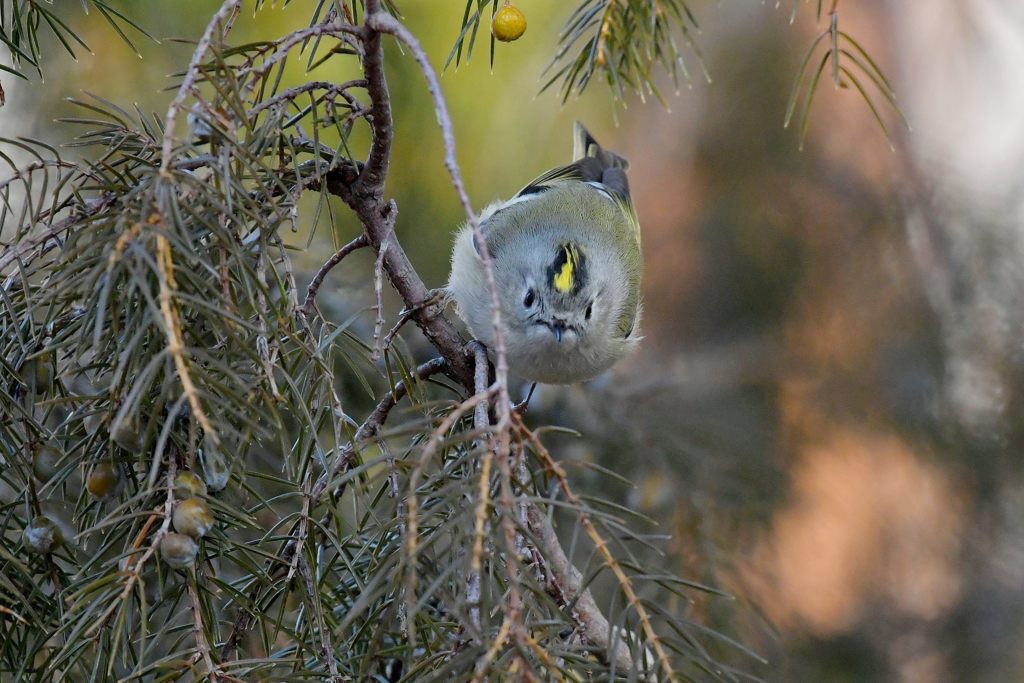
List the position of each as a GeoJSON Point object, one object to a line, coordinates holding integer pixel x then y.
{"type": "Point", "coordinates": [386, 23]}
{"type": "Point", "coordinates": [318, 279]}
{"type": "Point", "coordinates": [407, 314]}
{"type": "Point", "coordinates": [602, 548]}
{"type": "Point", "coordinates": [372, 425]}
{"type": "Point", "coordinates": [363, 192]}
{"type": "Point", "coordinates": [480, 423]}
{"type": "Point", "coordinates": [199, 630]}
{"type": "Point", "coordinates": [564, 583]}
{"type": "Point", "coordinates": [378, 290]}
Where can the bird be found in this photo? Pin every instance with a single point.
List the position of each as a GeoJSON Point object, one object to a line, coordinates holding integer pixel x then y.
{"type": "Point", "coordinates": [567, 263]}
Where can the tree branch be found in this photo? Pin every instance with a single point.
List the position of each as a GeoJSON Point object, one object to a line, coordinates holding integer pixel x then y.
{"type": "Point", "coordinates": [371, 181]}
{"type": "Point", "coordinates": [386, 23]}
{"type": "Point", "coordinates": [593, 616]}
{"type": "Point", "coordinates": [318, 279]}
{"type": "Point", "coordinates": [364, 195]}
{"type": "Point", "coordinates": [564, 583]}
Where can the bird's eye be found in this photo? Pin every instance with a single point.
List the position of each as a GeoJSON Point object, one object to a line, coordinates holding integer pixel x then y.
{"type": "Point", "coordinates": [530, 299]}
{"type": "Point", "coordinates": [590, 310]}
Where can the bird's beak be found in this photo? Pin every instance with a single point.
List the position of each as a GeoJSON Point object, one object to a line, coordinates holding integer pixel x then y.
{"type": "Point", "coordinates": [558, 328]}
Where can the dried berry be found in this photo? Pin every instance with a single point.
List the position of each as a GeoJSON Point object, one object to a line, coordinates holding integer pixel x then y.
{"type": "Point", "coordinates": [45, 461]}
{"type": "Point", "coordinates": [126, 435]}
{"type": "Point", "coordinates": [37, 373]}
{"type": "Point", "coordinates": [42, 536]}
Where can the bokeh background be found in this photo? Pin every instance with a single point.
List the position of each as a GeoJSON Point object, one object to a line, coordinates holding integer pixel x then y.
{"type": "Point", "coordinates": [824, 416]}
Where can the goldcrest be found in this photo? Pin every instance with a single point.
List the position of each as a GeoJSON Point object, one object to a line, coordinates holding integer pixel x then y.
{"type": "Point", "coordinates": [567, 264]}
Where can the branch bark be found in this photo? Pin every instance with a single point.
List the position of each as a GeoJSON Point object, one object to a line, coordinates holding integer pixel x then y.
{"type": "Point", "coordinates": [365, 196]}
{"type": "Point", "coordinates": [564, 583]}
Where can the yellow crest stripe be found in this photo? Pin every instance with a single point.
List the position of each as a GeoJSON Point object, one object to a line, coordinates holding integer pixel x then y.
{"type": "Point", "coordinates": [565, 278]}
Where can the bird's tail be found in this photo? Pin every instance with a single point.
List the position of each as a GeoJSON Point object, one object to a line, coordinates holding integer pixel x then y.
{"type": "Point", "coordinates": [584, 145]}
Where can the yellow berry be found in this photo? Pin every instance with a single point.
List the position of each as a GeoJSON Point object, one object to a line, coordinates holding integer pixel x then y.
{"type": "Point", "coordinates": [193, 517]}
{"type": "Point", "coordinates": [42, 536]}
{"type": "Point", "coordinates": [178, 550]}
{"type": "Point", "coordinates": [188, 485]}
{"type": "Point", "coordinates": [103, 479]}
{"type": "Point", "coordinates": [508, 24]}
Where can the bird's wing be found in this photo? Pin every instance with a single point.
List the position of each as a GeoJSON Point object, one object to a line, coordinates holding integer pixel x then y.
{"type": "Point", "coordinates": [603, 170]}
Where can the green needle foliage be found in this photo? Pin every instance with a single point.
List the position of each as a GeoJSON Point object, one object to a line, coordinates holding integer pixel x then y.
{"type": "Point", "coordinates": [626, 41]}
{"type": "Point", "coordinates": [847, 59]}
{"type": "Point", "coordinates": [25, 23]}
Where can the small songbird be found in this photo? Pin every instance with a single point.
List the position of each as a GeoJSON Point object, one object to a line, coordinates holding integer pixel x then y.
{"type": "Point", "coordinates": [567, 264]}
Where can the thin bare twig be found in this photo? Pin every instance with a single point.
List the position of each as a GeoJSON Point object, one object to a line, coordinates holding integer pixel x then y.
{"type": "Point", "coordinates": [330, 90]}
{"type": "Point", "coordinates": [406, 314]}
{"type": "Point", "coordinates": [480, 423]}
{"type": "Point", "coordinates": [378, 289]}
{"type": "Point", "coordinates": [224, 18]}
{"type": "Point", "coordinates": [512, 540]}
{"type": "Point", "coordinates": [372, 425]}
{"type": "Point", "coordinates": [318, 279]}
{"type": "Point", "coordinates": [199, 630]}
